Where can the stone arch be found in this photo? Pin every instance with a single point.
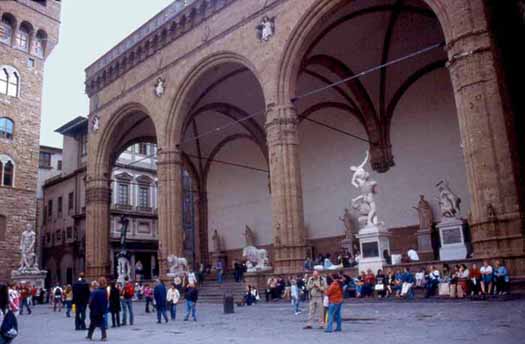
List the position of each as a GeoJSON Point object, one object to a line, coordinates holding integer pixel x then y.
{"type": "Point", "coordinates": [180, 107]}
{"type": "Point", "coordinates": [308, 27]}
{"type": "Point", "coordinates": [111, 138]}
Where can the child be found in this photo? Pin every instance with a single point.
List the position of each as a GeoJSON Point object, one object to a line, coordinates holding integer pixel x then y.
{"type": "Point", "coordinates": [294, 291]}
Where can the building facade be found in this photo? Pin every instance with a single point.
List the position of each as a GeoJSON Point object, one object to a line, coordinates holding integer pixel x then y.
{"type": "Point", "coordinates": [134, 190]}
{"type": "Point", "coordinates": [266, 104]}
{"type": "Point", "coordinates": [28, 33]}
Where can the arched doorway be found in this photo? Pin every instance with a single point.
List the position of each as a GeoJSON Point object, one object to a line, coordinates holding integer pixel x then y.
{"type": "Point", "coordinates": [224, 153]}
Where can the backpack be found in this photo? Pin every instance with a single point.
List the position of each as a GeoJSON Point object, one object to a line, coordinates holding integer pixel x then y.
{"type": "Point", "coordinates": [58, 292]}
{"type": "Point", "coordinates": [129, 291]}
{"type": "Point", "coordinates": [9, 327]}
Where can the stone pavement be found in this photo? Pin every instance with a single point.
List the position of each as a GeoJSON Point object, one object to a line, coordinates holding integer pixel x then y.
{"type": "Point", "coordinates": [377, 323]}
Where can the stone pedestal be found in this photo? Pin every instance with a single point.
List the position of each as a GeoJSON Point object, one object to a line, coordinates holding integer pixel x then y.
{"type": "Point", "coordinates": [347, 245]}
{"type": "Point", "coordinates": [35, 278]}
{"type": "Point", "coordinates": [452, 239]}
{"type": "Point", "coordinates": [373, 241]}
{"type": "Point", "coordinates": [424, 244]}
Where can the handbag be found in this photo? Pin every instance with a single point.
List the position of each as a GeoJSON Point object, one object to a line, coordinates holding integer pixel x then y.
{"type": "Point", "coordinates": [444, 289]}
{"type": "Point", "coordinates": [379, 287]}
{"type": "Point", "coordinates": [9, 327]}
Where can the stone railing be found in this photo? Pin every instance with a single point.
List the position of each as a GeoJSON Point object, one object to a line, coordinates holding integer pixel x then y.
{"type": "Point", "coordinates": [173, 22]}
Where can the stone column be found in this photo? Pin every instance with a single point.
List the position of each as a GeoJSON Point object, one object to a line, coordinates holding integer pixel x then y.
{"type": "Point", "coordinates": [495, 216]}
{"type": "Point", "coordinates": [286, 188]}
{"type": "Point", "coordinates": [169, 208]}
{"type": "Point", "coordinates": [98, 196]}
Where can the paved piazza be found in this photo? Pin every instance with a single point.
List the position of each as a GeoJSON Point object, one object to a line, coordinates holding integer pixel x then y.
{"type": "Point", "coordinates": [390, 322]}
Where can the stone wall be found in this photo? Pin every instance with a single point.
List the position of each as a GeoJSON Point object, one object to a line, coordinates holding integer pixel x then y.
{"type": "Point", "coordinates": [18, 204]}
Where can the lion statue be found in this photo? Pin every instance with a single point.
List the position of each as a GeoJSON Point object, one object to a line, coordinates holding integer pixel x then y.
{"type": "Point", "coordinates": [177, 265]}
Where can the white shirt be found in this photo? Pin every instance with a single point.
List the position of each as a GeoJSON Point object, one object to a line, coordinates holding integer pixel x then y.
{"type": "Point", "coordinates": [173, 295]}
{"type": "Point", "coordinates": [412, 254]}
{"type": "Point", "coordinates": [486, 270]}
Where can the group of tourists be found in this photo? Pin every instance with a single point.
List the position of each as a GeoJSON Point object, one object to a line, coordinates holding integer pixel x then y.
{"type": "Point", "coordinates": [104, 300]}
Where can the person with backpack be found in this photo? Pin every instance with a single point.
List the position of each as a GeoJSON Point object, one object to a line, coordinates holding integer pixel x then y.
{"type": "Point", "coordinates": [57, 298]}
{"type": "Point", "coordinates": [127, 302]}
{"type": "Point", "coordinates": [25, 297]}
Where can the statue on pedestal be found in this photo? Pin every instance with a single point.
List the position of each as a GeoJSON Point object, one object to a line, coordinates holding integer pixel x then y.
{"type": "Point", "coordinates": [27, 250]}
{"type": "Point", "coordinates": [216, 242]}
{"type": "Point", "coordinates": [123, 265]}
{"type": "Point", "coordinates": [364, 203]}
{"type": "Point", "coordinates": [257, 259]}
{"type": "Point", "coordinates": [424, 211]}
{"type": "Point", "coordinates": [448, 200]}
{"type": "Point", "coordinates": [177, 265]}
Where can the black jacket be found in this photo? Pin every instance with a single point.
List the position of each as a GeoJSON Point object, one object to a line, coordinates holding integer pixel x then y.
{"type": "Point", "coordinates": [114, 299]}
{"type": "Point", "coordinates": [81, 292]}
{"type": "Point", "coordinates": [191, 294]}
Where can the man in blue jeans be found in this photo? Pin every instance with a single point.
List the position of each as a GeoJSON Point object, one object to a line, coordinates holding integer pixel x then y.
{"type": "Point", "coordinates": [191, 294]}
{"type": "Point", "coordinates": [219, 269]}
{"type": "Point", "coordinates": [127, 301]}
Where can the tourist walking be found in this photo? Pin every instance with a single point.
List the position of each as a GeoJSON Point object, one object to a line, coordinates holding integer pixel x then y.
{"type": "Point", "coordinates": [127, 302]}
{"type": "Point", "coordinates": [80, 300]}
{"type": "Point", "coordinates": [68, 300]}
{"type": "Point", "coordinates": [57, 298]}
{"type": "Point", "coordinates": [316, 287]}
{"type": "Point", "coordinates": [191, 294]}
{"type": "Point", "coordinates": [160, 294]}
{"type": "Point", "coordinates": [294, 294]}
{"type": "Point", "coordinates": [114, 304]}
{"type": "Point", "coordinates": [219, 269]}
{"type": "Point", "coordinates": [335, 299]}
{"type": "Point", "coordinates": [25, 296]}
{"type": "Point", "coordinates": [173, 297]}
{"type": "Point", "coordinates": [98, 305]}
{"type": "Point", "coordinates": [148, 297]}
{"type": "Point", "coordinates": [8, 322]}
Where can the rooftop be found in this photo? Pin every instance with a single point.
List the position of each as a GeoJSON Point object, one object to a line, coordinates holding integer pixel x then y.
{"type": "Point", "coordinates": [72, 127]}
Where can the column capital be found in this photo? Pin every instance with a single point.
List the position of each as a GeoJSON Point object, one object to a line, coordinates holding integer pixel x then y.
{"type": "Point", "coordinates": [281, 124]}
{"type": "Point", "coordinates": [169, 157]}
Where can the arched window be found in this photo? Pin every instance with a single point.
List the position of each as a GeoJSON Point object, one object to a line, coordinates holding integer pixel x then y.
{"type": "Point", "coordinates": [7, 171]}
{"type": "Point", "coordinates": [9, 81]}
{"type": "Point", "coordinates": [6, 128]}
{"type": "Point", "coordinates": [22, 36]}
{"type": "Point", "coordinates": [6, 28]}
{"type": "Point", "coordinates": [39, 46]}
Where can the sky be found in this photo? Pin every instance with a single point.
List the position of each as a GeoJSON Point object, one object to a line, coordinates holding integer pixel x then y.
{"type": "Point", "coordinates": [89, 29]}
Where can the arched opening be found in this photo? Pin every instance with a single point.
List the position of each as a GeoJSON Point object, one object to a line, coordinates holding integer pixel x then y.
{"type": "Point", "coordinates": [126, 163]}
{"type": "Point", "coordinates": [404, 114]}
{"type": "Point", "coordinates": [223, 144]}
{"type": "Point", "coordinates": [7, 171]}
{"type": "Point", "coordinates": [6, 128]}
{"type": "Point", "coordinates": [23, 36]}
{"type": "Point", "coordinates": [7, 28]}
{"type": "Point", "coordinates": [39, 46]}
{"type": "Point", "coordinates": [9, 81]}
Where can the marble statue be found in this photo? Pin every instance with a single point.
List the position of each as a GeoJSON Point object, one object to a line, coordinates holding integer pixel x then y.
{"type": "Point", "coordinates": [95, 123]}
{"type": "Point", "coordinates": [216, 242]}
{"type": "Point", "coordinates": [448, 200]}
{"type": "Point", "coordinates": [349, 226]}
{"type": "Point", "coordinates": [266, 29]}
{"type": "Point", "coordinates": [123, 267]}
{"type": "Point", "coordinates": [159, 87]}
{"type": "Point", "coordinates": [177, 265]}
{"type": "Point", "coordinates": [258, 258]}
{"type": "Point", "coordinates": [27, 249]}
{"type": "Point", "coordinates": [426, 219]}
{"type": "Point", "coordinates": [249, 236]}
{"type": "Point", "coordinates": [365, 202]}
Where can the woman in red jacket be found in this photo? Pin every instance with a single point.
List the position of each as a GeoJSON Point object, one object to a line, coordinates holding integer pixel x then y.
{"type": "Point", "coordinates": [335, 298]}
